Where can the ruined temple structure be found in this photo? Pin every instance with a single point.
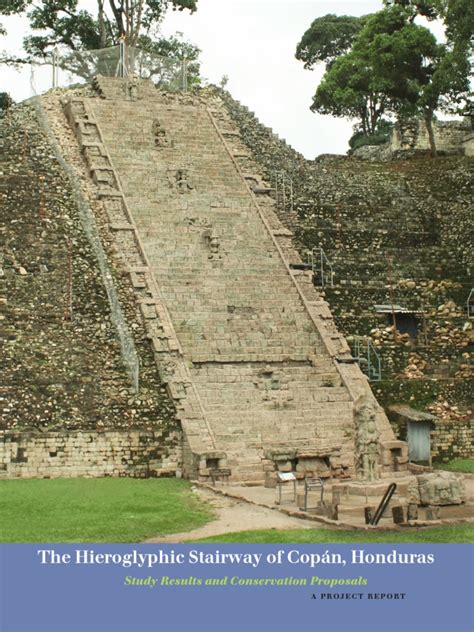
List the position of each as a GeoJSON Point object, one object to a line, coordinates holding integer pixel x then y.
{"type": "Point", "coordinates": [260, 377]}
{"type": "Point", "coordinates": [159, 319]}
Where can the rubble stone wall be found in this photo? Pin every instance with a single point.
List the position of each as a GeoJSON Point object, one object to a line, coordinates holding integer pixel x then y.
{"type": "Point", "coordinates": [61, 366]}
{"type": "Point", "coordinates": [90, 454]}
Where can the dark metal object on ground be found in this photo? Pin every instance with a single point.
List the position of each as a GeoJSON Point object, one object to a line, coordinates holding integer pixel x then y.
{"type": "Point", "coordinates": [387, 497]}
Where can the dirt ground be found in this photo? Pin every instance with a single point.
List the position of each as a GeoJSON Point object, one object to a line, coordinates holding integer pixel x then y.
{"type": "Point", "coordinates": [234, 515]}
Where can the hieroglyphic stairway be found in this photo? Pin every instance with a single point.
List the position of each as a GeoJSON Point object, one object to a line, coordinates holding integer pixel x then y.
{"type": "Point", "coordinates": [247, 347]}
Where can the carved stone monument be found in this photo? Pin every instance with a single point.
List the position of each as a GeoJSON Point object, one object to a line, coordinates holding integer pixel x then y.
{"type": "Point", "coordinates": [133, 89]}
{"type": "Point", "coordinates": [160, 136]}
{"type": "Point", "coordinates": [180, 181]}
{"type": "Point", "coordinates": [441, 488]}
{"type": "Point", "coordinates": [367, 440]}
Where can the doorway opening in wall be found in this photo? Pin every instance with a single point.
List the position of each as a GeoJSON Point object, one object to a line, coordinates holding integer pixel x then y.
{"type": "Point", "coordinates": [406, 321]}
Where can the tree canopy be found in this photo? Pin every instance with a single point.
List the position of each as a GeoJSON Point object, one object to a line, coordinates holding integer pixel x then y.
{"type": "Point", "coordinates": [60, 23]}
{"type": "Point", "coordinates": [392, 65]}
{"type": "Point", "coordinates": [327, 38]}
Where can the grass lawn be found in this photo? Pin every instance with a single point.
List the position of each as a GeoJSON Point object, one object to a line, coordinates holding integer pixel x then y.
{"type": "Point", "coordinates": [454, 533]}
{"type": "Point", "coordinates": [97, 510]}
{"type": "Point", "coordinates": [457, 465]}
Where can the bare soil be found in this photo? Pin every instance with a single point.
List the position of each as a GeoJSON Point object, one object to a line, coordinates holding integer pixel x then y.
{"type": "Point", "coordinates": [235, 515]}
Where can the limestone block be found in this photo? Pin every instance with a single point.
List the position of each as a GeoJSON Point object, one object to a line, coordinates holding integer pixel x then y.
{"type": "Point", "coordinates": [441, 488]}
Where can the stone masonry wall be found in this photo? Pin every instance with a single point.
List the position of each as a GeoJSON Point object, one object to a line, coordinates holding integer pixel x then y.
{"type": "Point", "coordinates": [60, 362]}
{"type": "Point", "coordinates": [449, 135]}
{"type": "Point", "coordinates": [91, 454]}
{"type": "Point", "coordinates": [397, 231]}
{"type": "Point", "coordinates": [450, 439]}
{"type": "Point", "coordinates": [259, 341]}
{"type": "Point", "coordinates": [107, 193]}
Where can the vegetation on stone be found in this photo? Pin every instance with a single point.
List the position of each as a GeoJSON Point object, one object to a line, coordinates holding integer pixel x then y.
{"type": "Point", "coordinates": [394, 231]}
{"type": "Point", "coordinates": [61, 364]}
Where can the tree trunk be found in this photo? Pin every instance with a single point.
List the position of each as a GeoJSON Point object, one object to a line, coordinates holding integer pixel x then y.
{"type": "Point", "coordinates": [118, 15]}
{"type": "Point", "coordinates": [102, 28]}
{"type": "Point", "coordinates": [429, 128]}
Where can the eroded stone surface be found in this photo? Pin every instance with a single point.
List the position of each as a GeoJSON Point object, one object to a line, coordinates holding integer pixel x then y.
{"type": "Point", "coordinates": [441, 488]}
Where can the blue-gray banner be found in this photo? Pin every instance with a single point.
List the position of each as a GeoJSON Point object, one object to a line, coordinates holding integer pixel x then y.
{"type": "Point", "coordinates": [189, 588]}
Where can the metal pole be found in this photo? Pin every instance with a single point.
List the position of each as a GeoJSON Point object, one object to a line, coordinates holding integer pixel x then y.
{"type": "Point", "coordinates": [368, 358]}
{"type": "Point", "coordinates": [322, 266]}
{"type": "Point", "coordinates": [55, 59]}
{"type": "Point", "coordinates": [123, 71]}
{"type": "Point", "coordinates": [185, 74]}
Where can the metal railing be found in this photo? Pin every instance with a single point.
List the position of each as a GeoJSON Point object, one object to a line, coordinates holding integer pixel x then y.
{"type": "Point", "coordinates": [367, 358]}
{"type": "Point", "coordinates": [323, 274]}
{"type": "Point", "coordinates": [470, 304]}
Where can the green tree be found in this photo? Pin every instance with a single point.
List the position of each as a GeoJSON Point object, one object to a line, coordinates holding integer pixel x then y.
{"type": "Point", "coordinates": [347, 90]}
{"type": "Point", "coordinates": [395, 67]}
{"type": "Point", "coordinates": [387, 63]}
{"type": "Point", "coordinates": [457, 15]}
{"type": "Point", "coordinates": [448, 88]}
{"type": "Point", "coordinates": [60, 23]}
{"type": "Point", "coordinates": [327, 39]}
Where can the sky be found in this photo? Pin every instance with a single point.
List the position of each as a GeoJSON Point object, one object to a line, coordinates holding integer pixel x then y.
{"type": "Point", "coordinates": [253, 42]}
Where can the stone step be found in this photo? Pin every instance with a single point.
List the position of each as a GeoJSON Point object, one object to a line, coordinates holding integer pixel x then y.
{"type": "Point", "coordinates": [230, 296]}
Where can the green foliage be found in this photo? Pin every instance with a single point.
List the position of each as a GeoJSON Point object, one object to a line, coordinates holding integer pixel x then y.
{"type": "Point", "coordinates": [426, 8]}
{"type": "Point", "coordinates": [448, 534]}
{"type": "Point", "coordinates": [97, 510]}
{"type": "Point", "coordinates": [63, 23]}
{"type": "Point", "coordinates": [175, 49]}
{"type": "Point", "coordinates": [457, 15]}
{"type": "Point", "coordinates": [387, 63]}
{"type": "Point", "coordinates": [379, 137]}
{"type": "Point", "coordinates": [345, 91]}
{"type": "Point", "coordinates": [5, 102]}
{"type": "Point", "coordinates": [327, 38]}
{"type": "Point", "coordinates": [12, 7]}
{"type": "Point", "coordinates": [394, 67]}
